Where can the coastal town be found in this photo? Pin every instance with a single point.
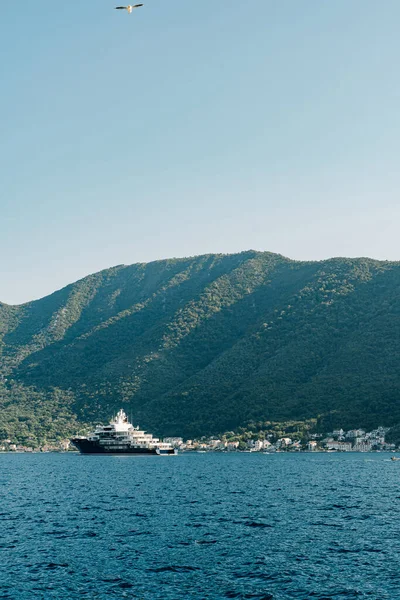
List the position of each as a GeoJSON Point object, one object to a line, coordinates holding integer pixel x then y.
{"type": "Point", "coordinates": [354, 440]}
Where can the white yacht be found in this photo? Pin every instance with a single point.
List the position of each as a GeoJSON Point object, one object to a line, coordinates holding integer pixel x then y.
{"type": "Point", "coordinates": [121, 437]}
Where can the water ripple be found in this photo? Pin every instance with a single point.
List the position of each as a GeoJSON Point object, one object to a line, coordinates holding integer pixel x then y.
{"type": "Point", "coordinates": [199, 527]}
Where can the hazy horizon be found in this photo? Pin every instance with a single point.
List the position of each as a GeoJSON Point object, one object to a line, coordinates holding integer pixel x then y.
{"type": "Point", "coordinates": [188, 129]}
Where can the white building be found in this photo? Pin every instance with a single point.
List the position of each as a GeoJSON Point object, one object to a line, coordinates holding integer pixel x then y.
{"type": "Point", "coordinates": [362, 447]}
{"type": "Point", "coordinates": [232, 445]}
{"type": "Point", "coordinates": [215, 443]}
{"type": "Point", "coordinates": [283, 442]}
{"type": "Point", "coordinates": [355, 433]}
{"type": "Point", "coordinates": [340, 446]}
{"type": "Point", "coordinates": [174, 441]}
{"type": "Point", "coordinates": [338, 433]}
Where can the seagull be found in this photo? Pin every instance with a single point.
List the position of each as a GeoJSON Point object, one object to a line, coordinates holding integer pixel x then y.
{"type": "Point", "coordinates": [129, 8]}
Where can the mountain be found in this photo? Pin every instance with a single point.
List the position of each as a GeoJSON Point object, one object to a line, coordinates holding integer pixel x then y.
{"type": "Point", "coordinates": [202, 345]}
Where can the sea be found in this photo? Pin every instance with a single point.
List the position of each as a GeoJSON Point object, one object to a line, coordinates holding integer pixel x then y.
{"type": "Point", "coordinates": [200, 526]}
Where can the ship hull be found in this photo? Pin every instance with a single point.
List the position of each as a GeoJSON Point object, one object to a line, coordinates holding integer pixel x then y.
{"type": "Point", "coordinates": [90, 447]}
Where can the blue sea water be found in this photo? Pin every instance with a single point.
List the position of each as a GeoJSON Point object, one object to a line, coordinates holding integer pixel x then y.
{"type": "Point", "coordinates": [199, 526]}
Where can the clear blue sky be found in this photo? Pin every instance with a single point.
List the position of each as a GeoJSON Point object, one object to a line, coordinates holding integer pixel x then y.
{"type": "Point", "coordinates": [195, 127]}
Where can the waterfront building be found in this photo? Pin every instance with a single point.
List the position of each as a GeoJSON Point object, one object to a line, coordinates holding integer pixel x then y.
{"type": "Point", "coordinates": [362, 446]}
{"type": "Point", "coordinates": [340, 446]}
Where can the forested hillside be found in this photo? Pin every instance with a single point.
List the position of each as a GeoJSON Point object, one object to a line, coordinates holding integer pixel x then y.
{"type": "Point", "coordinates": [202, 345]}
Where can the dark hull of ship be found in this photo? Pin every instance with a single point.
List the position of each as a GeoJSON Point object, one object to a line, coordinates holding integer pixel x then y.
{"type": "Point", "coordinates": [89, 447]}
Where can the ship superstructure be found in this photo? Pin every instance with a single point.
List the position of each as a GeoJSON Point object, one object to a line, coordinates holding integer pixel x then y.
{"type": "Point", "coordinates": [121, 437]}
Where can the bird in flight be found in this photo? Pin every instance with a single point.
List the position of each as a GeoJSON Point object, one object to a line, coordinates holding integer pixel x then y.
{"type": "Point", "coordinates": [129, 8]}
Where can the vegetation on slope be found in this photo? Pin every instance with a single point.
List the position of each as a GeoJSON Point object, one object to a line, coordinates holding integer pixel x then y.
{"type": "Point", "coordinates": [202, 345]}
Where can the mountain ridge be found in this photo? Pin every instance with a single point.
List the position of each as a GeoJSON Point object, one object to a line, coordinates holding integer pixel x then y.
{"type": "Point", "coordinates": [257, 252]}
{"type": "Point", "coordinates": [203, 344]}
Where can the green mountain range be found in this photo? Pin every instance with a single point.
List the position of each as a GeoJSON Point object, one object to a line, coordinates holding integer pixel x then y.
{"type": "Point", "coordinates": [202, 345]}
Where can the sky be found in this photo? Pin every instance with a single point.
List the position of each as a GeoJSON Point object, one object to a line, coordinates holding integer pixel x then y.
{"type": "Point", "coordinates": [188, 128]}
